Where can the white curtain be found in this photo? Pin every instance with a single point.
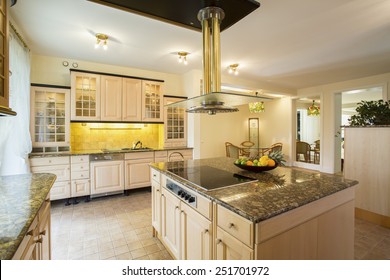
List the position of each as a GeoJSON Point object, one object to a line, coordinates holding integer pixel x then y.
{"type": "Point", "coordinates": [15, 140]}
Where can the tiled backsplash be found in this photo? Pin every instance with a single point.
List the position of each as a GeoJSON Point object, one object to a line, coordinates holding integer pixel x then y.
{"type": "Point", "coordinates": [96, 136]}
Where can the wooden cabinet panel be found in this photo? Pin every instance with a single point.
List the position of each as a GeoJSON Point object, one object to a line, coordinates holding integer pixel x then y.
{"type": "Point", "coordinates": [106, 177]}
{"type": "Point", "coordinates": [4, 56]}
{"type": "Point", "coordinates": [80, 188]}
{"type": "Point", "coordinates": [229, 248]}
{"type": "Point", "coordinates": [61, 171]}
{"type": "Point", "coordinates": [132, 99]}
{"type": "Point", "coordinates": [156, 207]}
{"type": "Point", "coordinates": [137, 173]}
{"type": "Point", "coordinates": [111, 98]}
{"type": "Point", "coordinates": [60, 190]}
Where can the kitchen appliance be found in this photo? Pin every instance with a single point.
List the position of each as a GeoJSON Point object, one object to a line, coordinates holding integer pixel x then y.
{"type": "Point", "coordinates": [211, 19]}
{"type": "Point", "coordinates": [183, 193]}
{"type": "Point", "coordinates": [107, 174]}
{"type": "Point", "coordinates": [207, 177]}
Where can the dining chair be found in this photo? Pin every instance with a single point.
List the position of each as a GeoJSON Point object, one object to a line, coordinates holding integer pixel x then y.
{"type": "Point", "coordinates": [303, 148]}
{"type": "Point", "coordinates": [232, 151]}
{"type": "Point", "coordinates": [246, 149]}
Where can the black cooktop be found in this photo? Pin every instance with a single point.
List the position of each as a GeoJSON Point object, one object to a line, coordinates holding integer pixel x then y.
{"type": "Point", "coordinates": [209, 178]}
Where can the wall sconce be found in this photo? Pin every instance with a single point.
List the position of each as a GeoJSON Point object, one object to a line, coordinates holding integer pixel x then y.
{"type": "Point", "coordinates": [183, 57]}
{"type": "Point", "coordinates": [101, 39]}
{"type": "Point", "coordinates": [313, 110]}
{"type": "Point", "coordinates": [233, 69]}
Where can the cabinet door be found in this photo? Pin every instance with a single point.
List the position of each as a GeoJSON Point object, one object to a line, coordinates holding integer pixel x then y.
{"type": "Point", "coordinates": [175, 124]}
{"type": "Point", "coordinates": [111, 98]}
{"type": "Point", "coordinates": [196, 235]}
{"type": "Point", "coordinates": [137, 173]}
{"type": "Point", "coordinates": [60, 190]}
{"type": "Point", "coordinates": [131, 95]}
{"type": "Point", "coordinates": [152, 101]}
{"type": "Point", "coordinates": [170, 222]}
{"type": "Point", "coordinates": [49, 125]}
{"type": "Point", "coordinates": [229, 248]}
{"type": "Point", "coordinates": [85, 96]}
{"type": "Point", "coordinates": [107, 176]}
{"type": "Point", "coordinates": [156, 206]}
{"type": "Point", "coordinates": [44, 232]}
{"type": "Point", "coordinates": [80, 188]}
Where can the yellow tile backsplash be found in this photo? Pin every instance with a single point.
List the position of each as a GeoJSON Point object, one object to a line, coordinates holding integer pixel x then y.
{"type": "Point", "coordinates": [96, 136]}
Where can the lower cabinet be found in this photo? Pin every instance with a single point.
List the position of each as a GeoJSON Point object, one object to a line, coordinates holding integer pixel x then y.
{"type": "Point", "coordinates": [80, 184]}
{"type": "Point", "coordinates": [156, 208]}
{"type": "Point", "coordinates": [36, 243]}
{"type": "Point", "coordinates": [137, 169]}
{"type": "Point", "coordinates": [230, 248]}
{"type": "Point", "coordinates": [107, 177]}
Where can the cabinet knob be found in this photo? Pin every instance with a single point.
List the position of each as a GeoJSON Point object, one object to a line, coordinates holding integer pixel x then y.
{"type": "Point", "coordinates": [30, 232]}
{"type": "Point", "coordinates": [219, 241]}
{"type": "Point", "coordinates": [177, 207]}
{"type": "Point", "coordinates": [43, 232]}
{"type": "Point", "coordinates": [231, 225]}
{"type": "Point", "coordinates": [157, 190]}
{"type": "Point", "coordinates": [39, 240]}
{"type": "Point", "coordinates": [206, 231]}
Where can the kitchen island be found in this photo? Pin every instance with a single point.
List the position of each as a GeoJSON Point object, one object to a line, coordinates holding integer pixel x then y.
{"type": "Point", "coordinates": [287, 213]}
{"type": "Point", "coordinates": [25, 216]}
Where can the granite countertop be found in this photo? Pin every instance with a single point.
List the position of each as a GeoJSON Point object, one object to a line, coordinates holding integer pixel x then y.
{"type": "Point", "coordinates": [110, 151]}
{"type": "Point", "coordinates": [276, 191]}
{"type": "Point", "coordinates": [21, 197]}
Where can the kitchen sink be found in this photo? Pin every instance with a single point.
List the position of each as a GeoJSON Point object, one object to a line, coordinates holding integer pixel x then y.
{"type": "Point", "coordinates": [126, 149]}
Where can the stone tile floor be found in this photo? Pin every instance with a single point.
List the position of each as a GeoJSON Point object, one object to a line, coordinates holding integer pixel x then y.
{"type": "Point", "coordinates": [119, 228]}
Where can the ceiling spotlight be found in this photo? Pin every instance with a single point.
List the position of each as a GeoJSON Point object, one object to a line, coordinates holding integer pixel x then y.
{"type": "Point", "coordinates": [233, 69]}
{"type": "Point", "coordinates": [183, 57]}
{"type": "Point", "coordinates": [101, 39]}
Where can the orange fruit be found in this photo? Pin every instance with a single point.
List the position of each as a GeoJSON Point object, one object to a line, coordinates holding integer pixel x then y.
{"type": "Point", "coordinates": [250, 163]}
{"type": "Point", "coordinates": [271, 162]}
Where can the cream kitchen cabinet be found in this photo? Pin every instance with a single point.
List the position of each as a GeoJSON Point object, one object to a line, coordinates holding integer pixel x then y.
{"type": "Point", "coordinates": [175, 124]}
{"type": "Point", "coordinates": [85, 96]}
{"type": "Point", "coordinates": [49, 121]}
{"type": "Point", "coordinates": [36, 244]}
{"type": "Point", "coordinates": [152, 101]}
{"type": "Point", "coordinates": [80, 185]}
{"type": "Point", "coordinates": [137, 170]}
{"type": "Point", "coordinates": [156, 202]}
{"type": "Point", "coordinates": [60, 166]}
{"type": "Point", "coordinates": [230, 248]}
{"type": "Point", "coordinates": [111, 98]}
{"type": "Point", "coordinates": [131, 100]}
{"type": "Point", "coordinates": [107, 177]}
{"type": "Point", "coordinates": [160, 156]}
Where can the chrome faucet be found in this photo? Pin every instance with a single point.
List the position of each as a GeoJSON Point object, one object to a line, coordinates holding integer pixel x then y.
{"type": "Point", "coordinates": [136, 144]}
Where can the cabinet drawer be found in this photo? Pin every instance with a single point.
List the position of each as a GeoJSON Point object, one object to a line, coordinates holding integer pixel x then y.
{"type": "Point", "coordinates": [76, 175]}
{"type": "Point", "coordinates": [235, 225]}
{"type": "Point", "coordinates": [49, 161]}
{"type": "Point", "coordinates": [80, 188]}
{"type": "Point", "coordinates": [155, 175]}
{"type": "Point", "coordinates": [140, 155]}
{"type": "Point", "coordinates": [159, 154]}
{"type": "Point", "coordinates": [60, 190]}
{"type": "Point", "coordinates": [80, 167]}
{"type": "Point", "coordinates": [79, 159]}
{"type": "Point", "coordinates": [61, 171]}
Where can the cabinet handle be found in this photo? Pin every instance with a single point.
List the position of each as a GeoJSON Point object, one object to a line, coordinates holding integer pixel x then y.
{"type": "Point", "coordinates": [39, 240]}
{"type": "Point", "coordinates": [177, 207]}
{"type": "Point", "coordinates": [154, 175]}
{"type": "Point", "coordinates": [43, 232]}
{"type": "Point", "coordinates": [206, 231]}
{"type": "Point", "coordinates": [231, 225]}
{"type": "Point", "coordinates": [157, 190]}
{"type": "Point", "coordinates": [219, 241]}
{"type": "Point", "coordinates": [30, 232]}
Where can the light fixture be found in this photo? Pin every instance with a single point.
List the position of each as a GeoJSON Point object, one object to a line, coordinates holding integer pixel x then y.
{"type": "Point", "coordinates": [101, 39]}
{"type": "Point", "coordinates": [256, 107]}
{"type": "Point", "coordinates": [183, 57]}
{"type": "Point", "coordinates": [313, 110]}
{"type": "Point", "coordinates": [233, 69]}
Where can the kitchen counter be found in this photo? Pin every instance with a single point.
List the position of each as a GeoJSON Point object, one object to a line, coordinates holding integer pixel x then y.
{"type": "Point", "coordinates": [276, 191]}
{"type": "Point", "coordinates": [21, 197]}
{"type": "Point", "coordinates": [97, 152]}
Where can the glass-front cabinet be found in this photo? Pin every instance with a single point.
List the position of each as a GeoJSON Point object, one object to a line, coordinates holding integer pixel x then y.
{"type": "Point", "coordinates": [175, 124]}
{"type": "Point", "coordinates": [85, 96]}
{"type": "Point", "coordinates": [152, 104]}
{"type": "Point", "coordinates": [50, 118]}
{"type": "Point", "coordinates": [3, 55]}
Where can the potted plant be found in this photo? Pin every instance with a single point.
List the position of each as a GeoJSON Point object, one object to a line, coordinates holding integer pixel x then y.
{"type": "Point", "coordinates": [371, 113]}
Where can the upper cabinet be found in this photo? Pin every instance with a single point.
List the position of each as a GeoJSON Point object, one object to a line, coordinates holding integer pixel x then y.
{"type": "Point", "coordinates": [49, 118]}
{"type": "Point", "coordinates": [4, 61]}
{"type": "Point", "coordinates": [175, 128]}
{"type": "Point", "coordinates": [85, 96]}
{"type": "Point", "coordinates": [152, 101]}
{"type": "Point", "coordinates": [115, 98]}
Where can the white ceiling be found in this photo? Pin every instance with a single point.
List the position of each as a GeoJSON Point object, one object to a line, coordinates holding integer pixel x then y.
{"type": "Point", "coordinates": [293, 44]}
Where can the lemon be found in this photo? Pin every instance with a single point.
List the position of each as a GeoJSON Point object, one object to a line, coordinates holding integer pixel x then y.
{"type": "Point", "coordinates": [263, 161]}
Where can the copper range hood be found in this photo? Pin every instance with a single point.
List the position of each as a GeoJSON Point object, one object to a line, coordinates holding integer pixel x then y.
{"type": "Point", "coordinates": [213, 16]}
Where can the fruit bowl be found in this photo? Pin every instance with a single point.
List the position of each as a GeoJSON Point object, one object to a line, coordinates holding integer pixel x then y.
{"type": "Point", "coordinates": [256, 168]}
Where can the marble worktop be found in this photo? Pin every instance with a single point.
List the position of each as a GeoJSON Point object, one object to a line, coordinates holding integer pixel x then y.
{"type": "Point", "coordinates": [276, 191]}
{"type": "Point", "coordinates": [21, 197]}
{"type": "Point", "coordinates": [108, 151]}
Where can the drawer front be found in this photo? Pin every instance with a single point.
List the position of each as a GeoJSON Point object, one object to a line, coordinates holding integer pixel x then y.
{"type": "Point", "coordinates": [160, 154]}
{"type": "Point", "coordinates": [79, 159]}
{"type": "Point", "coordinates": [155, 175]}
{"type": "Point", "coordinates": [60, 190]}
{"type": "Point", "coordinates": [235, 225]}
{"type": "Point", "coordinates": [80, 188]}
{"type": "Point", "coordinates": [80, 167]}
{"type": "Point", "coordinates": [76, 175]}
{"type": "Point", "coordinates": [61, 171]}
{"type": "Point", "coordinates": [160, 159]}
{"type": "Point", "coordinates": [140, 155]}
{"type": "Point", "coordinates": [49, 161]}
